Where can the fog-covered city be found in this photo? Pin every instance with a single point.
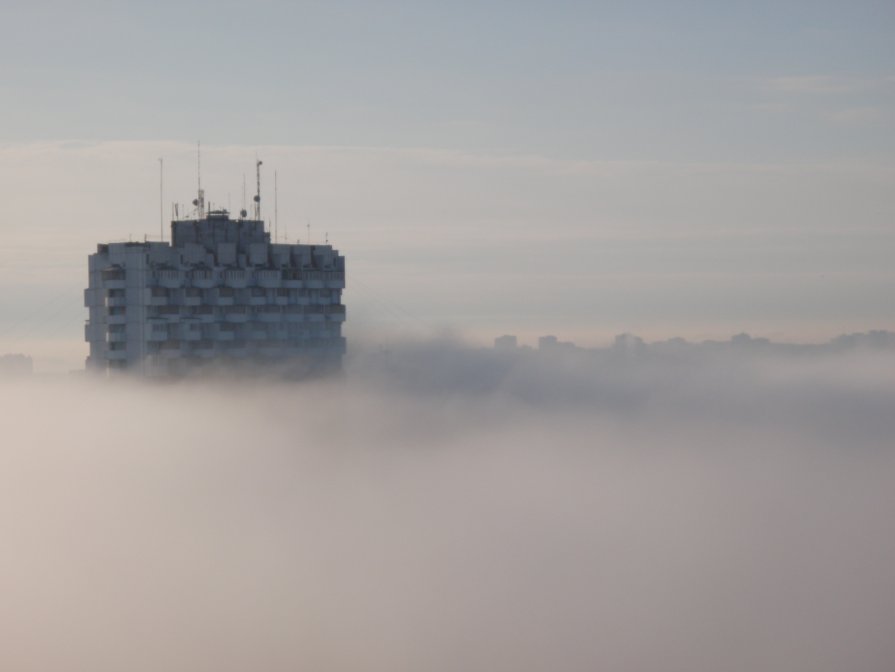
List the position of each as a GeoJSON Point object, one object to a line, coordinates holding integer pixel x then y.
{"type": "Point", "coordinates": [424, 336]}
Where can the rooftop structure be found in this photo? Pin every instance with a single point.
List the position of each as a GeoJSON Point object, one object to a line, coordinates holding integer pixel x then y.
{"type": "Point", "coordinates": [219, 292]}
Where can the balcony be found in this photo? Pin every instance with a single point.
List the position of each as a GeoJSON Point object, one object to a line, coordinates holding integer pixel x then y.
{"type": "Point", "coordinates": [271, 349]}
{"type": "Point", "coordinates": [203, 279]}
{"type": "Point", "coordinates": [116, 337]}
{"type": "Point", "coordinates": [292, 279]}
{"type": "Point", "coordinates": [236, 279]}
{"type": "Point", "coordinates": [155, 296]}
{"type": "Point", "coordinates": [202, 313]}
{"type": "Point", "coordinates": [170, 279]}
{"type": "Point", "coordinates": [92, 298]}
{"type": "Point", "coordinates": [237, 350]}
{"type": "Point", "coordinates": [191, 331]}
{"type": "Point", "coordinates": [157, 334]}
{"type": "Point", "coordinates": [269, 314]}
{"type": "Point", "coordinates": [313, 279]}
{"type": "Point", "coordinates": [171, 350]}
{"type": "Point", "coordinates": [165, 311]}
{"type": "Point", "coordinates": [236, 314]}
{"type": "Point", "coordinates": [113, 278]}
{"type": "Point", "coordinates": [224, 297]}
{"type": "Point", "coordinates": [203, 350]}
{"type": "Point", "coordinates": [192, 297]}
{"type": "Point", "coordinates": [268, 279]}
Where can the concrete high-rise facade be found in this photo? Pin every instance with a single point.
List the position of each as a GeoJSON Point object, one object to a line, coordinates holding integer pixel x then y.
{"type": "Point", "coordinates": [219, 292]}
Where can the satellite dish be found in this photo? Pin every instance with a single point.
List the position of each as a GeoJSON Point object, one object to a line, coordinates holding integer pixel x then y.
{"type": "Point", "coordinates": [243, 213]}
{"type": "Point", "coordinates": [256, 198]}
{"type": "Point", "coordinates": [196, 201]}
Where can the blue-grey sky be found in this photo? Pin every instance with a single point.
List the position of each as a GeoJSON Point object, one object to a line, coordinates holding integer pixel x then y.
{"type": "Point", "coordinates": [691, 168]}
{"type": "Point", "coordinates": [648, 80]}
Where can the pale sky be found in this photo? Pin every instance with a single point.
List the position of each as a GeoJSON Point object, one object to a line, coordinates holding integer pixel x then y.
{"type": "Point", "coordinates": [578, 168]}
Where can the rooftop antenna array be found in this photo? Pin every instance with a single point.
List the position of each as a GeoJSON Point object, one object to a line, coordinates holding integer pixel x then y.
{"type": "Point", "coordinates": [258, 192]}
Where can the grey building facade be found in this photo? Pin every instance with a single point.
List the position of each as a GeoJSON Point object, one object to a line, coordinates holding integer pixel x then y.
{"type": "Point", "coordinates": [220, 293]}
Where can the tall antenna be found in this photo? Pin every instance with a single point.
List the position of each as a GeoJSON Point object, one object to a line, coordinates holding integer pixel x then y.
{"type": "Point", "coordinates": [243, 191]}
{"type": "Point", "coordinates": [276, 212]}
{"type": "Point", "coordinates": [161, 199]}
{"type": "Point", "coordinates": [200, 197]}
{"type": "Point", "coordinates": [258, 192]}
{"type": "Point", "coordinates": [309, 232]}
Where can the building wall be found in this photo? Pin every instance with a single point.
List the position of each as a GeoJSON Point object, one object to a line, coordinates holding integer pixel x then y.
{"type": "Point", "coordinates": [220, 293]}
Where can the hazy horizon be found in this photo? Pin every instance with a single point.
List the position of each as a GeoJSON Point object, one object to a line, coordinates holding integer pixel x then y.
{"type": "Point", "coordinates": [424, 258]}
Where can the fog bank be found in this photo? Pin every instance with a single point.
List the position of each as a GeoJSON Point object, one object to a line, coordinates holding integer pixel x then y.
{"type": "Point", "coordinates": [456, 512]}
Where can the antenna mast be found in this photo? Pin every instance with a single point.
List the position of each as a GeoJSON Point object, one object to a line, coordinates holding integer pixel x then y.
{"type": "Point", "coordinates": [161, 199]}
{"type": "Point", "coordinates": [200, 197]}
{"type": "Point", "coordinates": [258, 192]}
{"type": "Point", "coordinates": [276, 212]}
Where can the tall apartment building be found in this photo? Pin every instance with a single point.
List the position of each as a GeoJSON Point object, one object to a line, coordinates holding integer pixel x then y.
{"type": "Point", "coordinates": [219, 292]}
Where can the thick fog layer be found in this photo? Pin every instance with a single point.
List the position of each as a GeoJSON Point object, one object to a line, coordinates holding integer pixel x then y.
{"type": "Point", "coordinates": [444, 509]}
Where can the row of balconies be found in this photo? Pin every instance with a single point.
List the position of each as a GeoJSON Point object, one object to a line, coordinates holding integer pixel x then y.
{"type": "Point", "coordinates": [216, 296]}
{"type": "Point", "coordinates": [160, 333]}
{"type": "Point", "coordinates": [242, 348]}
{"type": "Point", "coordinates": [243, 313]}
{"type": "Point", "coordinates": [226, 319]}
{"type": "Point", "coordinates": [243, 278]}
{"type": "Point", "coordinates": [227, 296]}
